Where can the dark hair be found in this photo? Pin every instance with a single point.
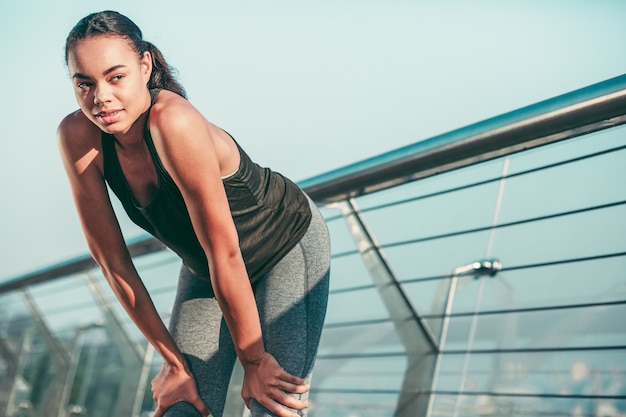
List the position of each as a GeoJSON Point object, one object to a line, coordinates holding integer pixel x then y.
{"type": "Point", "coordinates": [113, 23]}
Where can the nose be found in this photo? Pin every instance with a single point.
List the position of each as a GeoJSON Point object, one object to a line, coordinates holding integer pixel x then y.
{"type": "Point", "coordinates": [101, 94]}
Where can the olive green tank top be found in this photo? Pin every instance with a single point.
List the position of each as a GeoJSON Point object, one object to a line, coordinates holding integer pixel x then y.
{"type": "Point", "coordinates": [270, 212]}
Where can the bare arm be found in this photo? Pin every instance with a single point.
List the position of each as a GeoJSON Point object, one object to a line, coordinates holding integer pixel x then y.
{"type": "Point", "coordinates": [188, 146]}
{"type": "Point", "coordinates": [79, 144]}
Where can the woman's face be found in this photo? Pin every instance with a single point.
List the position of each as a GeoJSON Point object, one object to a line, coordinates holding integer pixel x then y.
{"type": "Point", "coordinates": [110, 82]}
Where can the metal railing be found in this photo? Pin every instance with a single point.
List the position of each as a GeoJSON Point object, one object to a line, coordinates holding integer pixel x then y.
{"type": "Point", "coordinates": [414, 359]}
{"type": "Point", "coordinates": [597, 107]}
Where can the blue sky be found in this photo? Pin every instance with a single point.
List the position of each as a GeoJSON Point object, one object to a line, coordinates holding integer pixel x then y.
{"type": "Point", "coordinates": [304, 86]}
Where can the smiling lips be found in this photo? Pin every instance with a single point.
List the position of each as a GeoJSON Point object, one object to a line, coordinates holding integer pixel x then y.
{"type": "Point", "coordinates": [109, 117]}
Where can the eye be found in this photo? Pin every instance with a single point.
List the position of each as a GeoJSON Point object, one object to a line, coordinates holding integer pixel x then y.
{"type": "Point", "coordinates": [117, 77]}
{"type": "Point", "coordinates": [84, 85]}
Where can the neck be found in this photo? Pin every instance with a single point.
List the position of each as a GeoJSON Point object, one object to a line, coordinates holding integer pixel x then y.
{"type": "Point", "coordinates": [133, 137]}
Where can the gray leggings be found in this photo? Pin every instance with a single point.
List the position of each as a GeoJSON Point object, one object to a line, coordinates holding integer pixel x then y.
{"type": "Point", "coordinates": [291, 300]}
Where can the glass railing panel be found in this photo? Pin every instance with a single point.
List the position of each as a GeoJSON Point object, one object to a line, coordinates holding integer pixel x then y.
{"type": "Point", "coordinates": [501, 297]}
{"type": "Point", "coordinates": [358, 339]}
{"type": "Point", "coordinates": [593, 233]}
{"type": "Point", "coordinates": [435, 185]}
{"type": "Point", "coordinates": [360, 373]}
{"type": "Point", "coordinates": [520, 405]}
{"type": "Point", "coordinates": [103, 370]}
{"type": "Point", "coordinates": [436, 257]}
{"type": "Point", "coordinates": [159, 269]}
{"type": "Point", "coordinates": [96, 365]}
{"type": "Point", "coordinates": [428, 295]}
{"type": "Point", "coordinates": [32, 353]}
{"type": "Point", "coordinates": [562, 188]}
{"type": "Point", "coordinates": [580, 147]}
{"type": "Point", "coordinates": [71, 286]}
{"type": "Point", "coordinates": [579, 282]}
{"type": "Point", "coordinates": [348, 272]}
{"type": "Point", "coordinates": [14, 316]}
{"type": "Point", "coordinates": [341, 239]}
{"type": "Point", "coordinates": [544, 335]}
{"type": "Point", "coordinates": [423, 218]}
{"type": "Point", "coordinates": [353, 404]}
{"type": "Point", "coordinates": [551, 382]}
{"type": "Point", "coordinates": [597, 326]}
{"type": "Point", "coordinates": [62, 306]}
{"type": "Point", "coordinates": [40, 371]}
{"type": "Point", "coordinates": [363, 305]}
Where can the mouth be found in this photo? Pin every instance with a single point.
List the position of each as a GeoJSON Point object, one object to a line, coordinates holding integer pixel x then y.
{"type": "Point", "coordinates": [109, 117]}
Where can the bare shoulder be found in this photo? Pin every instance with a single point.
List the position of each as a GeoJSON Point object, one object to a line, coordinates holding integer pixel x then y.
{"type": "Point", "coordinates": [76, 131]}
{"type": "Point", "coordinates": [171, 111]}
{"type": "Point", "coordinates": [172, 116]}
{"type": "Point", "coordinates": [79, 141]}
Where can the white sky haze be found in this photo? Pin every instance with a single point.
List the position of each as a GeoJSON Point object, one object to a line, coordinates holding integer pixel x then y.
{"type": "Point", "coordinates": [304, 86]}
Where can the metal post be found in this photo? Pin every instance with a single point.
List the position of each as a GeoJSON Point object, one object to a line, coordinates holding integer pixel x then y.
{"type": "Point", "coordinates": [76, 348]}
{"type": "Point", "coordinates": [470, 272]}
{"type": "Point", "coordinates": [84, 386]}
{"type": "Point", "coordinates": [474, 322]}
{"type": "Point", "coordinates": [9, 384]}
{"type": "Point", "coordinates": [132, 354]}
{"type": "Point", "coordinates": [143, 380]}
{"type": "Point", "coordinates": [418, 340]}
{"type": "Point", "coordinates": [60, 359]}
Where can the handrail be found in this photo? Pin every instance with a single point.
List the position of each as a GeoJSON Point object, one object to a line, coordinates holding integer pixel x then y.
{"type": "Point", "coordinates": [596, 107]}
{"type": "Point", "coordinates": [141, 246]}
{"type": "Point", "coordinates": [592, 108]}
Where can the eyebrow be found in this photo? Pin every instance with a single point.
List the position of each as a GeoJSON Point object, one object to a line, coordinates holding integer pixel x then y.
{"type": "Point", "coordinates": [110, 70]}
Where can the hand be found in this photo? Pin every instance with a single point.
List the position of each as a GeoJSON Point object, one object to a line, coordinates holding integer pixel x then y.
{"type": "Point", "coordinates": [172, 385]}
{"type": "Point", "coordinates": [269, 384]}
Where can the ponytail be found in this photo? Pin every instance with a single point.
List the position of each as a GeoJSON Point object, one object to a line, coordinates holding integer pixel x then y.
{"type": "Point", "coordinates": [162, 74]}
{"type": "Point", "coordinates": [113, 23]}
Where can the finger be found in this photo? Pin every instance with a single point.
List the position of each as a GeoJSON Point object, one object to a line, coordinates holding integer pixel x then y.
{"type": "Point", "coordinates": [292, 379]}
{"type": "Point", "coordinates": [287, 400]}
{"type": "Point", "coordinates": [292, 388]}
{"type": "Point", "coordinates": [200, 406]}
{"type": "Point", "coordinates": [245, 394]}
{"type": "Point", "coordinates": [158, 412]}
{"type": "Point", "coordinates": [278, 409]}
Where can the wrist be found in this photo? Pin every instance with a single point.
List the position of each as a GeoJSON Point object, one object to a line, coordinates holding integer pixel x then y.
{"type": "Point", "coordinates": [254, 360]}
{"type": "Point", "coordinates": [251, 353]}
{"type": "Point", "coordinates": [176, 365]}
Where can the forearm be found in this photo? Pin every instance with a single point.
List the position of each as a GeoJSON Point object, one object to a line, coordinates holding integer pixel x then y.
{"type": "Point", "coordinates": [134, 298]}
{"type": "Point", "coordinates": [234, 294]}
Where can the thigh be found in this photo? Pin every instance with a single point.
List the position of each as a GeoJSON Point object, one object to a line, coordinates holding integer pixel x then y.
{"type": "Point", "coordinates": [201, 334]}
{"type": "Point", "coordinates": [292, 301]}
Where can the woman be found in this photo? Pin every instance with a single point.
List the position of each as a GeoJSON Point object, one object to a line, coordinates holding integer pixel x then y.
{"type": "Point", "coordinates": [255, 251]}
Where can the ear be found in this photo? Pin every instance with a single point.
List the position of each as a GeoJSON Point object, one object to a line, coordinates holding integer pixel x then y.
{"type": "Point", "coordinates": [146, 66]}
